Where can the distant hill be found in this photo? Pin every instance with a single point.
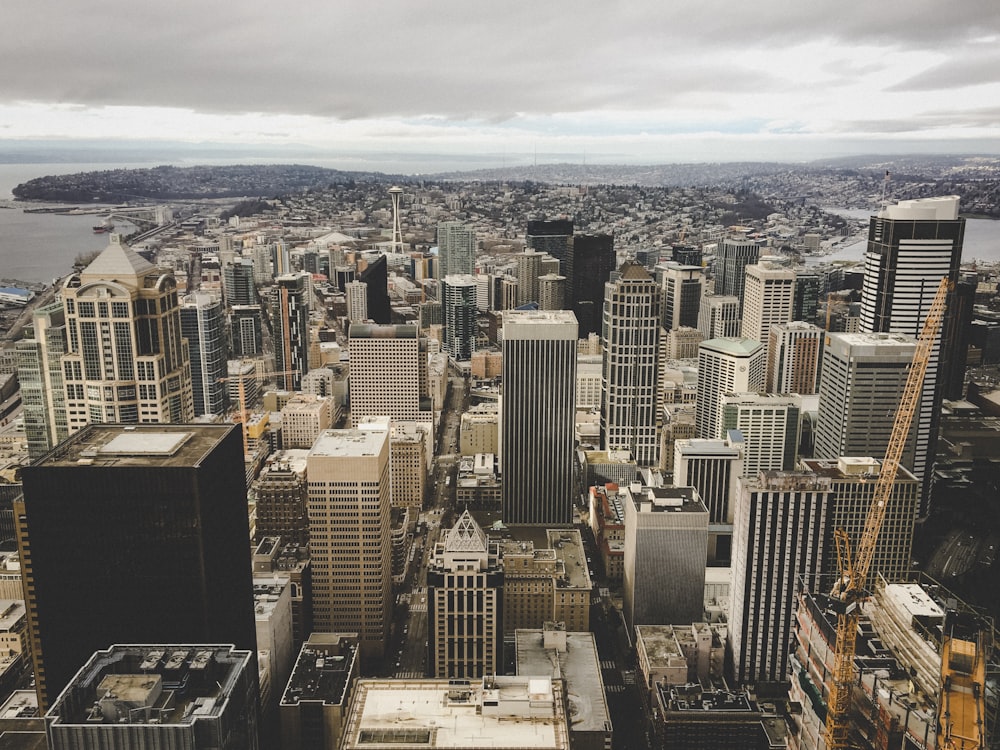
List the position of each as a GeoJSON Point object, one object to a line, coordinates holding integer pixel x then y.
{"type": "Point", "coordinates": [187, 183]}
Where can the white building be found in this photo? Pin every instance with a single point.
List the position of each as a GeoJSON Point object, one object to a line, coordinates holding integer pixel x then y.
{"type": "Point", "coordinates": [768, 300]}
{"type": "Point", "coordinates": [725, 365]}
{"type": "Point", "coordinates": [794, 351]}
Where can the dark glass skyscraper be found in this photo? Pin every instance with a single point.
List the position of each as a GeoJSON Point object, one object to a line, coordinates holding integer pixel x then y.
{"type": "Point", "coordinates": [552, 237]}
{"type": "Point", "coordinates": [589, 264]}
{"type": "Point", "coordinates": [376, 276]}
{"type": "Point", "coordinates": [134, 534]}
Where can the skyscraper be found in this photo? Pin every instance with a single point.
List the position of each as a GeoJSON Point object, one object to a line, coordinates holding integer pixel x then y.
{"type": "Point", "coordinates": [150, 546]}
{"type": "Point", "coordinates": [682, 292]}
{"type": "Point", "coordinates": [719, 316]}
{"type": "Point", "coordinates": [349, 535]}
{"type": "Point", "coordinates": [126, 361]}
{"type": "Point", "coordinates": [203, 324]}
{"type": "Point", "coordinates": [388, 375]}
{"type": "Point", "coordinates": [357, 301]}
{"type": "Point", "coordinates": [588, 266]}
{"type": "Point", "coordinates": [731, 261]}
{"type": "Point", "coordinates": [911, 247]}
{"type": "Point", "coordinates": [793, 356]}
{"type": "Point", "coordinates": [666, 535]}
{"type": "Point", "coordinates": [246, 331]}
{"type": "Point", "coordinates": [553, 237]}
{"type": "Point", "coordinates": [781, 529]}
{"type": "Point", "coordinates": [767, 300]}
{"type": "Point", "coordinates": [290, 308]}
{"type": "Point", "coordinates": [552, 292]}
{"type": "Point", "coordinates": [529, 268]}
{"type": "Point", "coordinates": [770, 425]}
{"type": "Point", "coordinates": [465, 603]}
{"type": "Point", "coordinates": [807, 292]}
{"type": "Point", "coordinates": [458, 297]}
{"type": "Point", "coordinates": [40, 376]}
{"type": "Point", "coordinates": [376, 276]}
{"type": "Point", "coordinates": [238, 283]}
{"type": "Point", "coordinates": [631, 341]}
{"type": "Point", "coordinates": [537, 413]}
{"type": "Point", "coordinates": [860, 385]}
{"type": "Point", "coordinates": [725, 365]}
{"type": "Point", "coordinates": [456, 248]}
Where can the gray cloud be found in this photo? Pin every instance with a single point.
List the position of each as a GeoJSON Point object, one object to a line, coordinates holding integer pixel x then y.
{"type": "Point", "coordinates": [457, 59]}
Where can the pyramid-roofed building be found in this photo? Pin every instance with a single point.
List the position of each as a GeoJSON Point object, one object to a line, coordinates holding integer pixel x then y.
{"type": "Point", "coordinates": [117, 262]}
{"type": "Point", "coordinates": [466, 536]}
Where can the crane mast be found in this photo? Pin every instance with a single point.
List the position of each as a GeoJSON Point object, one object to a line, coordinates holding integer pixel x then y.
{"type": "Point", "coordinates": [854, 565]}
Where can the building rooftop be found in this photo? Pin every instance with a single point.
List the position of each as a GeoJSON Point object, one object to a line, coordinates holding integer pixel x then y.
{"type": "Point", "coordinates": [163, 684]}
{"type": "Point", "coordinates": [137, 445]}
{"type": "Point", "coordinates": [323, 670]}
{"type": "Point", "coordinates": [574, 658]}
{"type": "Point", "coordinates": [499, 712]}
{"type": "Point", "coordinates": [348, 443]}
{"type": "Point", "coordinates": [733, 346]}
{"type": "Point", "coordinates": [666, 499]}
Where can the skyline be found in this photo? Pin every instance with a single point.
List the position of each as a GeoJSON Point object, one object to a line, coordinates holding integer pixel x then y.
{"type": "Point", "coordinates": [699, 81]}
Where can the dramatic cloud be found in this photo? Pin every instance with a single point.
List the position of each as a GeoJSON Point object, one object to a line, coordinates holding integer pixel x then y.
{"type": "Point", "coordinates": [516, 70]}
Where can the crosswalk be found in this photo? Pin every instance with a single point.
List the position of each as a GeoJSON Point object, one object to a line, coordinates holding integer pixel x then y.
{"type": "Point", "coordinates": [614, 689]}
{"type": "Point", "coordinates": [608, 664]}
{"type": "Point", "coordinates": [409, 675]}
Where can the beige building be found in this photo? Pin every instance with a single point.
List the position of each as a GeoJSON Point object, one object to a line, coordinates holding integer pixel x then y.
{"type": "Point", "coordinates": [303, 418]}
{"type": "Point", "coordinates": [389, 374]}
{"type": "Point", "coordinates": [480, 430]}
{"type": "Point", "coordinates": [487, 365]}
{"type": "Point", "coordinates": [545, 579]}
{"type": "Point", "coordinates": [682, 343]}
{"type": "Point", "coordinates": [349, 535]}
{"type": "Point", "coordinates": [408, 458]}
{"type": "Point", "coordinates": [126, 361]}
{"type": "Point", "coordinates": [521, 712]}
{"type": "Point", "coordinates": [589, 376]}
{"type": "Point", "coordinates": [680, 654]}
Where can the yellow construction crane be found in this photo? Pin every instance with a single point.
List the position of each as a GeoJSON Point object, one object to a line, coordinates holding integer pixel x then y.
{"type": "Point", "coordinates": [243, 416]}
{"type": "Point", "coordinates": [850, 588]}
{"type": "Point", "coordinates": [962, 701]}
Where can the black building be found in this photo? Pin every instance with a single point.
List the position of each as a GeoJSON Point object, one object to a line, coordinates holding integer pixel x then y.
{"type": "Point", "coordinates": [805, 305]}
{"type": "Point", "coordinates": [376, 276]}
{"type": "Point", "coordinates": [588, 267]}
{"type": "Point", "coordinates": [553, 237]}
{"type": "Point", "coordinates": [134, 534]}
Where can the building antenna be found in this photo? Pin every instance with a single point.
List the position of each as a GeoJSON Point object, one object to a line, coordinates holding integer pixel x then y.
{"type": "Point", "coordinates": [885, 185]}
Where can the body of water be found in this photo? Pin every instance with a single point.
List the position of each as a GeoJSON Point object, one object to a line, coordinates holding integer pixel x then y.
{"type": "Point", "coordinates": [41, 247]}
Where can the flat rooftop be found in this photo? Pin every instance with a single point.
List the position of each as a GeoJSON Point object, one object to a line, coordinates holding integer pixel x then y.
{"type": "Point", "coordinates": [514, 712]}
{"type": "Point", "coordinates": [321, 672]}
{"type": "Point", "coordinates": [348, 443]}
{"type": "Point", "coordinates": [138, 445]}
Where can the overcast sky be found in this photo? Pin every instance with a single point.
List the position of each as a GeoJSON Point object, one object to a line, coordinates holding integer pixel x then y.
{"type": "Point", "coordinates": [655, 81]}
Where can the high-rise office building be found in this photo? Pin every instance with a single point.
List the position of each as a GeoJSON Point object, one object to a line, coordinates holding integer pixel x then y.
{"type": "Point", "coordinates": [246, 331]}
{"type": "Point", "coordinates": [281, 496]}
{"type": "Point", "coordinates": [238, 283]}
{"type": "Point", "coordinates": [357, 301]}
{"type": "Point", "coordinates": [456, 248]}
{"type": "Point", "coordinates": [860, 386]}
{"type": "Point", "coordinates": [911, 246]}
{"type": "Point", "coordinates": [770, 424]}
{"type": "Point", "coordinates": [529, 268]}
{"type": "Point", "coordinates": [682, 293]}
{"type": "Point", "coordinates": [731, 261]}
{"type": "Point", "coordinates": [553, 237]}
{"type": "Point", "coordinates": [631, 341]}
{"type": "Point", "coordinates": [853, 483]}
{"type": "Point", "coordinates": [552, 292]}
{"type": "Point", "coordinates": [712, 467]}
{"type": "Point", "coordinates": [349, 535]}
{"type": "Point", "coordinates": [203, 324]}
{"type": "Point", "coordinates": [807, 292]}
{"type": "Point", "coordinates": [388, 375]}
{"type": "Point", "coordinates": [781, 529]}
{"type": "Point", "coordinates": [719, 316]}
{"type": "Point", "coordinates": [290, 308]}
{"type": "Point", "coordinates": [687, 255]}
{"type": "Point", "coordinates": [588, 266]}
{"type": "Point", "coordinates": [767, 300]}
{"type": "Point", "coordinates": [666, 535]}
{"type": "Point", "coordinates": [458, 300]}
{"type": "Point", "coordinates": [150, 546]}
{"type": "Point", "coordinates": [537, 417]}
{"type": "Point", "coordinates": [159, 696]}
{"type": "Point", "coordinates": [725, 365]}
{"type": "Point", "coordinates": [793, 356]}
{"type": "Point", "coordinates": [40, 376]}
{"type": "Point", "coordinates": [376, 276]}
{"type": "Point", "coordinates": [127, 361]}
{"type": "Point", "coordinates": [465, 604]}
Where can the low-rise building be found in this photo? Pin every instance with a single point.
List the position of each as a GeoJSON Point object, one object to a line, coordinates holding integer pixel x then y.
{"type": "Point", "coordinates": [678, 655]}
{"type": "Point", "coordinates": [170, 695]}
{"type": "Point", "coordinates": [690, 717]}
{"type": "Point", "coordinates": [314, 704]}
{"type": "Point", "coordinates": [520, 711]}
{"type": "Point", "coordinates": [478, 482]}
{"type": "Point", "coordinates": [479, 430]}
{"type": "Point", "coordinates": [607, 522]}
